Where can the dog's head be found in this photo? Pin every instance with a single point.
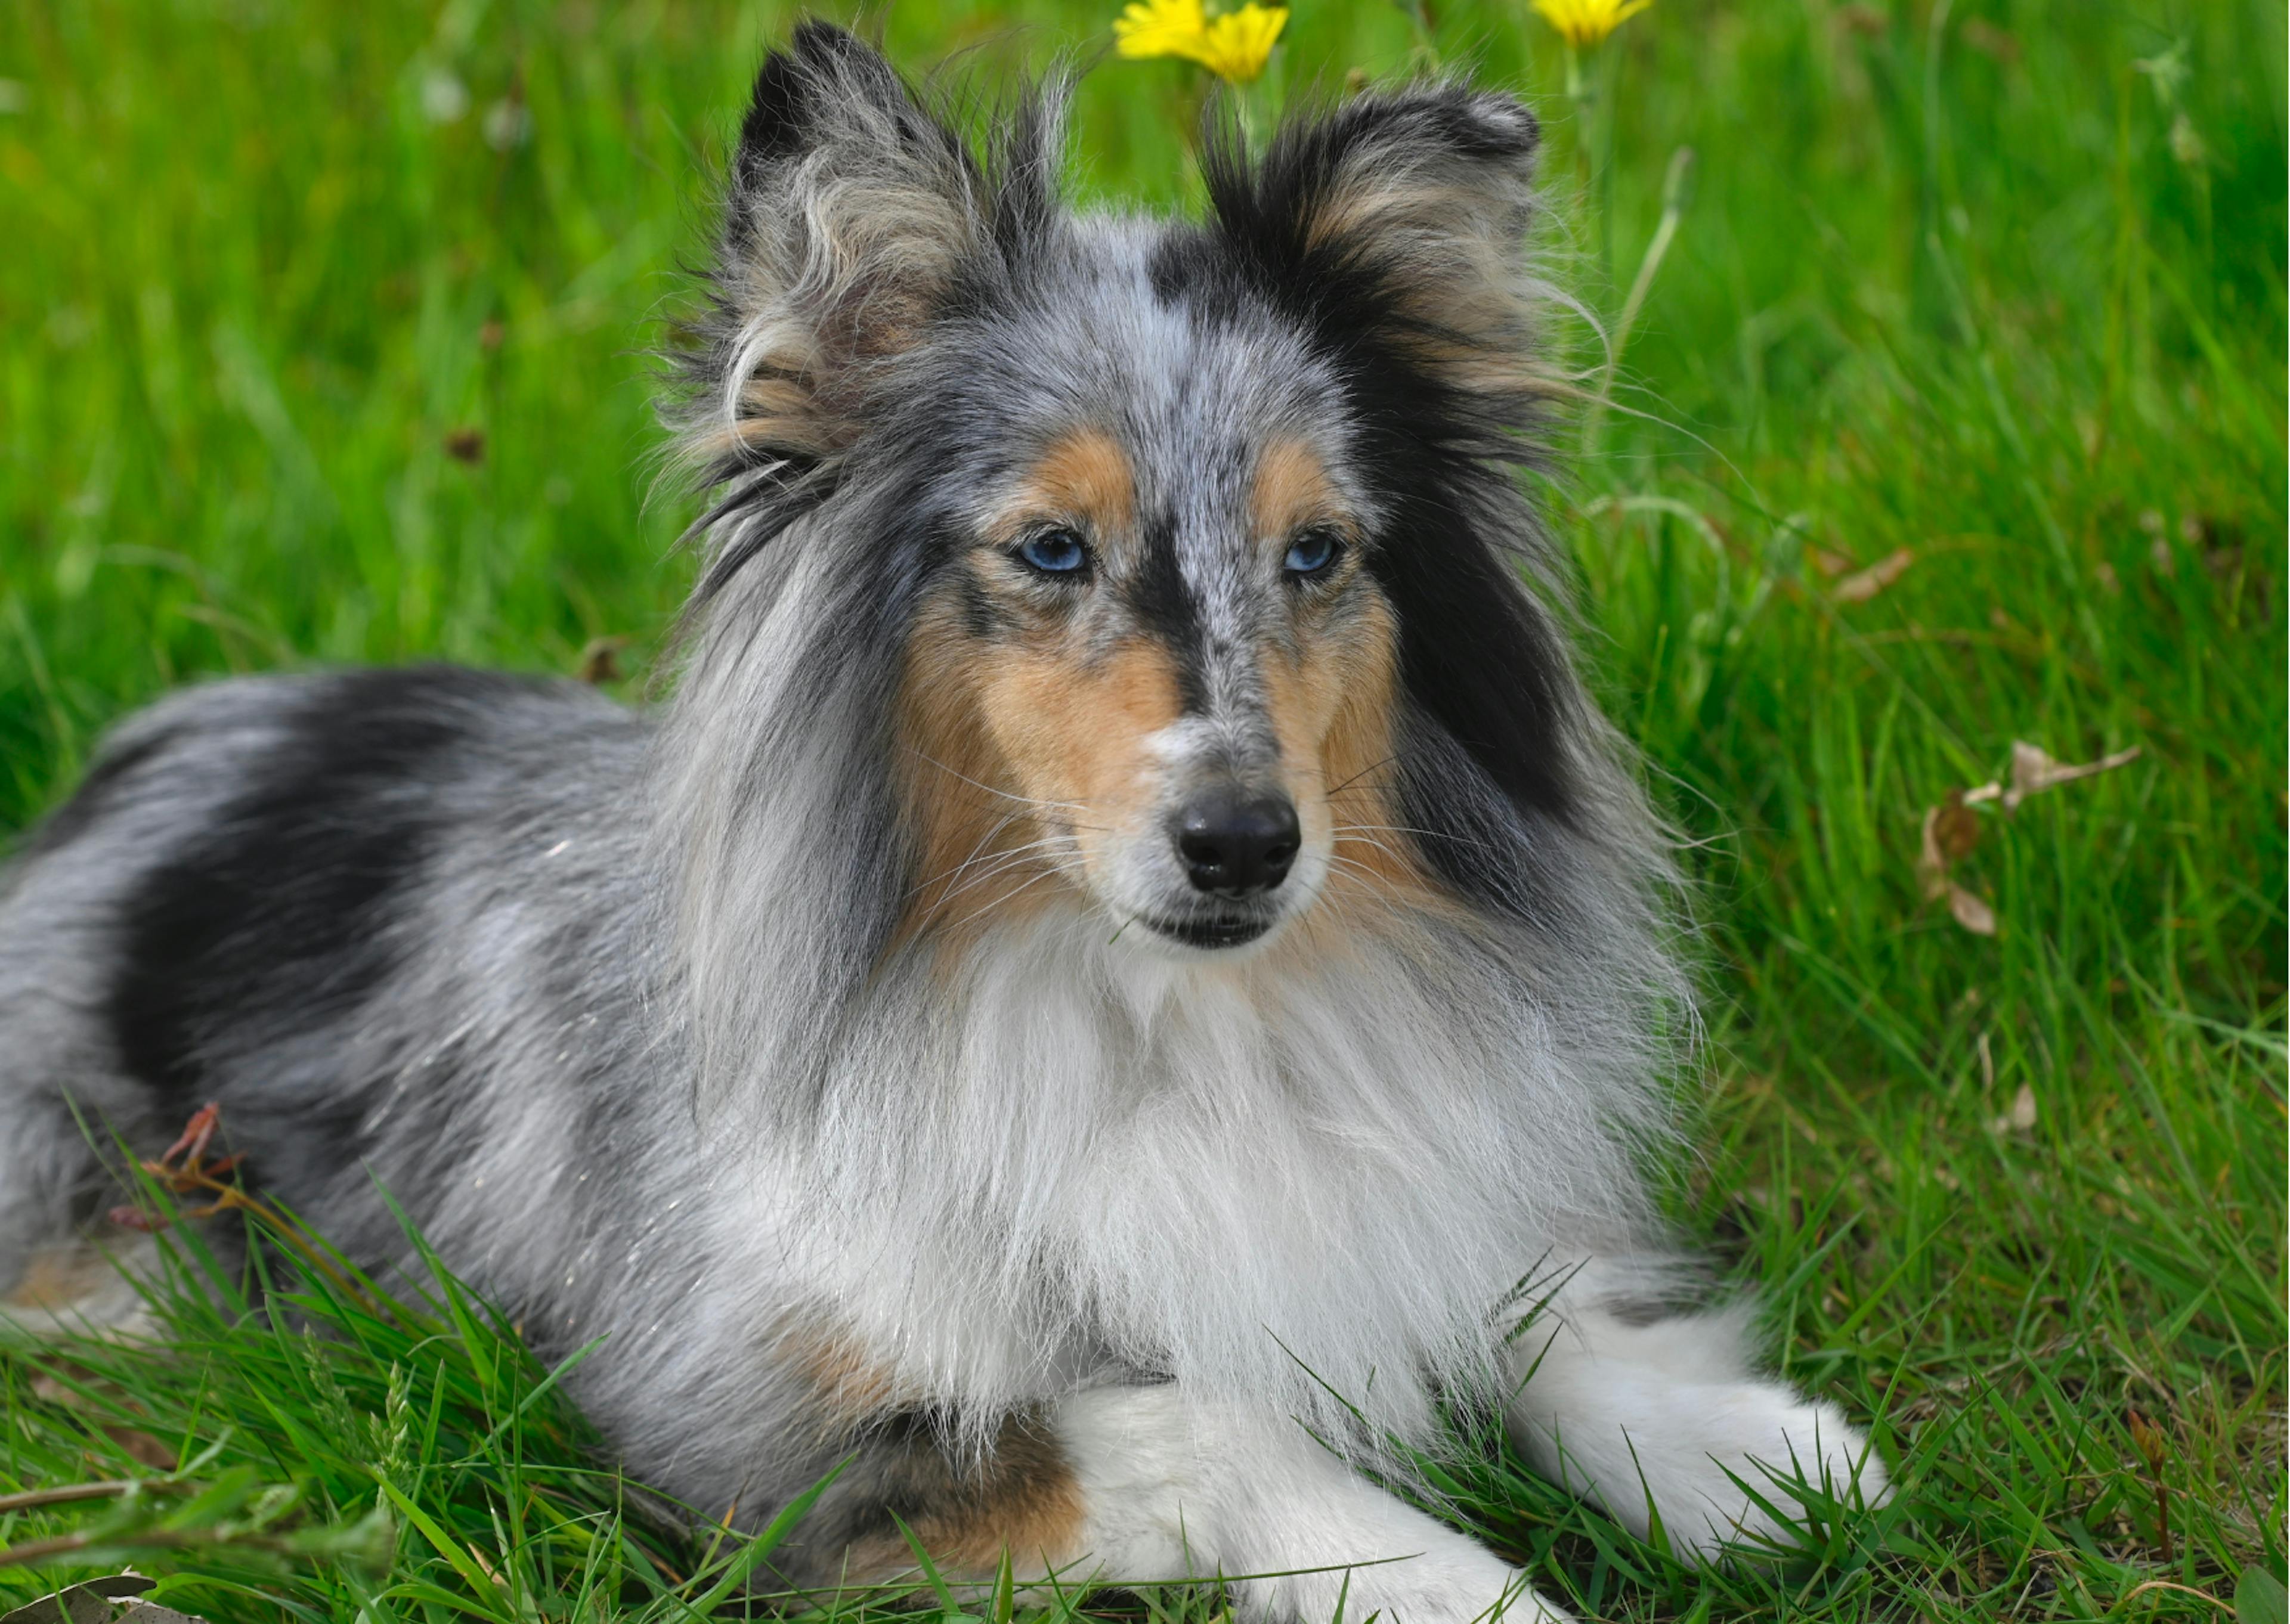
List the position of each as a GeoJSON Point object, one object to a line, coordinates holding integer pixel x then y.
{"type": "Point", "coordinates": [1185, 556]}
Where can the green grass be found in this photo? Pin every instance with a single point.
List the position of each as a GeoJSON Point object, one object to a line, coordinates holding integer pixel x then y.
{"type": "Point", "coordinates": [1944, 279]}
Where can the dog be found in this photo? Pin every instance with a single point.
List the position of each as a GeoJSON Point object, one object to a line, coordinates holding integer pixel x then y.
{"type": "Point", "coordinates": [1127, 944]}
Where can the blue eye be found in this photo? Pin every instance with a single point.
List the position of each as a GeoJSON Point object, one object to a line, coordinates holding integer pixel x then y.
{"type": "Point", "coordinates": [1054, 552]}
{"type": "Point", "coordinates": [1312, 552]}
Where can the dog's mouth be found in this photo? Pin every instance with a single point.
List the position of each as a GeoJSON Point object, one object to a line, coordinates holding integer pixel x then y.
{"type": "Point", "coordinates": [1231, 931]}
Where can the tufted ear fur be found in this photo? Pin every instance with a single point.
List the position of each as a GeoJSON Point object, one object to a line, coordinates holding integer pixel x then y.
{"type": "Point", "coordinates": [850, 210]}
{"type": "Point", "coordinates": [1401, 219]}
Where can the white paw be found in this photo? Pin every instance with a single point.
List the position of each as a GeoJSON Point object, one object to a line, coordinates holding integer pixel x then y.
{"type": "Point", "coordinates": [1737, 1463]}
{"type": "Point", "coordinates": [1435, 1588]}
{"type": "Point", "coordinates": [1793, 1461]}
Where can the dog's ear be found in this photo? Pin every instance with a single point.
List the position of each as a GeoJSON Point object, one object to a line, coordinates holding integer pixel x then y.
{"type": "Point", "coordinates": [849, 210]}
{"type": "Point", "coordinates": [1402, 217]}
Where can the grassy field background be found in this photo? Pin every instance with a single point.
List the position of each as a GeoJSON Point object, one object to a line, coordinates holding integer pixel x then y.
{"type": "Point", "coordinates": [1954, 416]}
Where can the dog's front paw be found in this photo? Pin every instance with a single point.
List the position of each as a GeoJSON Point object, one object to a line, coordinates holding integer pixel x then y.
{"type": "Point", "coordinates": [1435, 1587]}
{"type": "Point", "coordinates": [1741, 1466]}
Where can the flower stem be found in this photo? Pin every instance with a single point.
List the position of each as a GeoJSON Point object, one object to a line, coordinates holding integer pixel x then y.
{"type": "Point", "coordinates": [1674, 188]}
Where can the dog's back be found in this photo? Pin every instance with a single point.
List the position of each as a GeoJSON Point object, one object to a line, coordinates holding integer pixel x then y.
{"type": "Point", "coordinates": [289, 896]}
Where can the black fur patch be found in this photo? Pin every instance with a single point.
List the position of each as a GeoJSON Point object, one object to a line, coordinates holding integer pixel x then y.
{"type": "Point", "coordinates": [1164, 604]}
{"type": "Point", "coordinates": [780, 111]}
{"type": "Point", "coordinates": [1469, 653]}
{"type": "Point", "coordinates": [1478, 843]}
{"type": "Point", "coordinates": [795, 89]}
{"type": "Point", "coordinates": [276, 921]}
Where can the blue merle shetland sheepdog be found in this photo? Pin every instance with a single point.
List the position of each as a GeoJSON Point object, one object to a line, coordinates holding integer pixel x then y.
{"type": "Point", "coordinates": [1127, 943]}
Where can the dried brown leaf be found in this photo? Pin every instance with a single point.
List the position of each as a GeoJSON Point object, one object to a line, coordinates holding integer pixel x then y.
{"type": "Point", "coordinates": [2034, 771]}
{"type": "Point", "coordinates": [1950, 831]}
{"type": "Point", "coordinates": [600, 660]}
{"type": "Point", "coordinates": [135, 1610]}
{"type": "Point", "coordinates": [2022, 1115]}
{"type": "Point", "coordinates": [1863, 585]}
{"type": "Point", "coordinates": [142, 1448]}
{"type": "Point", "coordinates": [1955, 827]}
{"type": "Point", "coordinates": [95, 1601]}
{"type": "Point", "coordinates": [1932, 862]}
{"type": "Point", "coordinates": [2148, 1436]}
{"type": "Point", "coordinates": [1971, 912]}
{"type": "Point", "coordinates": [139, 1445]}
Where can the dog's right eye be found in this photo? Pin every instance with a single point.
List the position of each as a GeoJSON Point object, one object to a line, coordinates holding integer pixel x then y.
{"type": "Point", "coordinates": [1054, 552]}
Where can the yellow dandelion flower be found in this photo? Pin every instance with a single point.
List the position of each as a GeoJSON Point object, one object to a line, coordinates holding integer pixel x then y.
{"type": "Point", "coordinates": [1240, 42]}
{"type": "Point", "coordinates": [1584, 23]}
{"type": "Point", "coordinates": [1234, 46]}
{"type": "Point", "coordinates": [1160, 28]}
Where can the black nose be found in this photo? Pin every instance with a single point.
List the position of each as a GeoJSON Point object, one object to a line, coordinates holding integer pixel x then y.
{"type": "Point", "coordinates": [1235, 846]}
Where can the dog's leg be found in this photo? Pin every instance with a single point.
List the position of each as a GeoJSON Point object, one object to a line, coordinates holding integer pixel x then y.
{"type": "Point", "coordinates": [57, 1276]}
{"type": "Point", "coordinates": [84, 1286]}
{"type": "Point", "coordinates": [1137, 1485]}
{"type": "Point", "coordinates": [1661, 1417]}
{"type": "Point", "coordinates": [1172, 1490]}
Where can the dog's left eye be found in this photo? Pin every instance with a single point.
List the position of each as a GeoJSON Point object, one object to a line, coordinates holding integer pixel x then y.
{"type": "Point", "coordinates": [1311, 553]}
{"type": "Point", "coordinates": [1054, 552]}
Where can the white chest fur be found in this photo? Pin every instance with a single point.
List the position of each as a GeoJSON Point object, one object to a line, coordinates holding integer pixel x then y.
{"type": "Point", "coordinates": [1309, 1183]}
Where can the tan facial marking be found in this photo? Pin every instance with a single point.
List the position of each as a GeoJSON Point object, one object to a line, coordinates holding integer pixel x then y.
{"type": "Point", "coordinates": [958, 792]}
{"type": "Point", "coordinates": [1329, 692]}
{"type": "Point", "coordinates": [1074, 729]}
{"type": "Point", "coordinates": [1330, 700]}
{"type": "Point", "coordinates": [1084, 476]}
{"type": "Point", "coordinates": [1291, 489]}
{"type": "Point", "coordinates": [992, 729]}
{"type": "Point", "coordinates": [1009, 743]}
